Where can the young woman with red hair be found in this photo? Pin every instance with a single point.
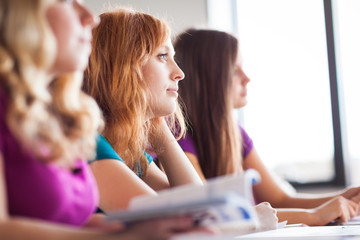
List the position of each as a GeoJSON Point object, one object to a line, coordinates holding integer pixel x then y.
{"type": "Point", "coordinates": [134, 79]}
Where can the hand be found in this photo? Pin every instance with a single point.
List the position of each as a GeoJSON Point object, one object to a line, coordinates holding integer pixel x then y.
{"type": "Point", "coordinates": [339, 209]}
{"type": "Point", "coordinates": [97, 222]}
{"type": "Point", "coordinates": [352, 193]}
{"type": "Point", "coordinates": [162, 228]}
{"type": "Point", "coordinates": [356, 199]}
{"type": "Point", "coordinates": [159, 132]}
{"type": "Point", "coordinates": [267, 217]}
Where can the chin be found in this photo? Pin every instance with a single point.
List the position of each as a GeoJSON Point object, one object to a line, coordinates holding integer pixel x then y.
{"type": "Point", "coordinates": [243, 104]}
{"type": "Point", "coordinates": [240, 105]}
{"type": "Point", "coordinates": [167, 112]}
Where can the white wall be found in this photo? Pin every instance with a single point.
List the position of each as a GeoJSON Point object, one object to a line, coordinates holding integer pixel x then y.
{"type": "Point", "coordinates": [181, 14]}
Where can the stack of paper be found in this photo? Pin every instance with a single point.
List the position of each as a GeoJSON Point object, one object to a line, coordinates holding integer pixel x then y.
{"type": "Point", "coordinates": [221, 200]}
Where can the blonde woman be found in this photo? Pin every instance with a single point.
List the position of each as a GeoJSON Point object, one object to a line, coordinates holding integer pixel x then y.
{"type": "Point", "coordinates": [134, 79]}
{"type": "Point", "coordinates": [48, 127]}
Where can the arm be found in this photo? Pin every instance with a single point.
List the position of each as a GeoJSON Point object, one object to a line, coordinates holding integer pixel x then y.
{"type": "Point", "coordinates": [337, 209]}
{"type": "Point", "coordinates": [117, 184]}
{"type": "Point", "coordinates": [27, 229]}
{"type": "Point", "coordinates": [156, 178]}
{"type": "Point", "coordinates": [176, 165]}
{"type": "Point", "coordinates": [300, 208]}
{"type": "Point", "coordinates": [23, 228]}
{"type": "Point", "coordinates": [195, 162]}
{"type": "Point", "coordinates": [271, 191]}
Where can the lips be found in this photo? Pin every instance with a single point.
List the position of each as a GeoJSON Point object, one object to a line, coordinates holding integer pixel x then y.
{"type": "Point", "coordinates": [244, 93]}
{"type": "Point", "coordinates": [172, 89]}
{"type": "Point", "coordinates": [172, 92]}
{"type": "Point", "coordinates": [85, 40]}
{"type": "Point", "coordinates": [86, 37]}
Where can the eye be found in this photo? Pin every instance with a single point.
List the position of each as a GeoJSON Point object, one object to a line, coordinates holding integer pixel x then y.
{"type": "Point", "coordinates": [236, 71]}
{"type": "Point", "coordinates": [163, 56]}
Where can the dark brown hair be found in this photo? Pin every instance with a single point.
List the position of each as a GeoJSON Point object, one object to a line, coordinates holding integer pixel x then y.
{"type": "Point", "coordinates": [207, 58]}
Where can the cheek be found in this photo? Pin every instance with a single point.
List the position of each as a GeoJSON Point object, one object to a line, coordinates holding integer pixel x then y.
{"type": "Point", "coordinates": [236, 86]}
{"type": "Point", "coordinates": [63, 25]}
{"type": "Point", "coordinates": [153, 79]}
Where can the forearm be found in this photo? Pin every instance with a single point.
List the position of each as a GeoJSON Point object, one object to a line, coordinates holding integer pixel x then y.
{"type": "Point", "coordinates": [296, 215]}
{"type": "Point", "coordinates": [301, 201]}
{"type": "Point", "coordinates": [20, 228]}
{"type": "Point", "coordinates": [176, 165]}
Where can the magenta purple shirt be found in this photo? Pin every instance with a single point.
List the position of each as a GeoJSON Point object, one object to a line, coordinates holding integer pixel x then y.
{"type": "Point", "coordinates": [45, 191]}
{"type": "Point", "coordinates": [187, 144]}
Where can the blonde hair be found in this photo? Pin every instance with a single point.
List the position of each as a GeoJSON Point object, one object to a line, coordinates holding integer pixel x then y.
{"type": "Point", "coordinates": [122, 43]}
{"type": "Point", "coordinates": [56, 121]}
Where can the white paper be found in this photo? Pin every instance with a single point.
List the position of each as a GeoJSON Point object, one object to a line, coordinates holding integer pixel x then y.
{"type": "Point", "coordinates": [221, 200]}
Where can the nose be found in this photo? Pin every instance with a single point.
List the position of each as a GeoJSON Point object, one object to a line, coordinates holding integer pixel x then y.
{"type": "Point", "coordinates": [177, 74]}
{"type": "Point", "coordinates": [245, 78]}
{"type": "Point", "coordinates": [87, 18]}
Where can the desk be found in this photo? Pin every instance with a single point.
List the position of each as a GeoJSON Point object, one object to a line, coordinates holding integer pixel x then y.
{"type": "Point", "coordinates": [351, 232]}
{"type": "Point", "coordinates": [323, 232]}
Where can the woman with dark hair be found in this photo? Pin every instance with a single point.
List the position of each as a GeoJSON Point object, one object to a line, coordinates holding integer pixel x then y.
{"type": "Point", "coordinates": [217, 145]}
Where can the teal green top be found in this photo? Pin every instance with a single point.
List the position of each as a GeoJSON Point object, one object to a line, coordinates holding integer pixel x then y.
{"type": "Point", "coordinates": [104, 150]}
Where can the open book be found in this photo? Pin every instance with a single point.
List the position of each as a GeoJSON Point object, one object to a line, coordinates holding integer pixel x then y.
{"type": "Point", "coordinates": [221, 200]}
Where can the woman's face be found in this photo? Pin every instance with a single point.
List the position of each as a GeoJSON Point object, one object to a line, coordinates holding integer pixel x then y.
{"type": "Point", "coordinates": [71, 24]}
{"type": "Point", "coordinates": [162, 76]}
{"type": "Point", "coordinates": [239, 85]}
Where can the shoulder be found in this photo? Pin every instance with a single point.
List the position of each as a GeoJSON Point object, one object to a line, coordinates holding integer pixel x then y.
{"type": "Point", "coordinates": [244, 134]}
{"type": "Point", "coordinates": [104, 150]}
{"type": "Point", "coordinates": [149, 157]}
{"type": "Point", "coordinates": [187, 144]}
{"type": "Point", "coordinates": [247, 142]}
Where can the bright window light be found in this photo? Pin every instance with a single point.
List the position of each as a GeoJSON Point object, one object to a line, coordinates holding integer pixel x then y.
{"type": "Point", "coordinates": [283, 47]}
{"type": "Point", "coordinates": [347, 39]}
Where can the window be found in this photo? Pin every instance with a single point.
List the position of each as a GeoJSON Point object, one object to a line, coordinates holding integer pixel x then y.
{"type": "Point", "coordinates": [347, 39]}
{"type": "Point", "coordinates": [283, 45]}
{"type": "Point", "coordinates": [303, 101]}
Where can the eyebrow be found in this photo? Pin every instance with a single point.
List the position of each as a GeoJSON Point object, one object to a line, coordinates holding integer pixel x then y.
{"type": "Point", "coordinates": [166, 47]}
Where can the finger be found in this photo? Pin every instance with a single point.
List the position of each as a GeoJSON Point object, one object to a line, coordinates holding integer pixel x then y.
{"type": "Point", "coordinates": [345, 216]}
{"type": "Point", "coordinates": [112, 227]}
{"type": "Point", "coordinates": [176, 223]}
{"type": "Point", "coordinates": [274, 211]}
{"type": "Point", "coordinates": [342, 218]}
{"type": "Point", "coordinates": [353, 208]}
{"type": "Point", "coordinates": [209, 230]}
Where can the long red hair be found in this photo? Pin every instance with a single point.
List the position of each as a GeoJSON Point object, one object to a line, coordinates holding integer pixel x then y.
{"type": "Point", "coordinates": [122, 43]}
